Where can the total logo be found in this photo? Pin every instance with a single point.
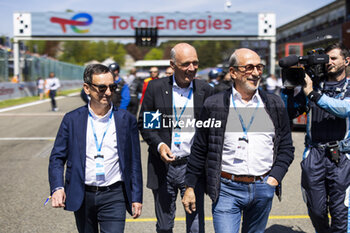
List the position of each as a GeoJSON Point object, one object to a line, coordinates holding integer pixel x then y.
{"type": "Point", "coordinates": [75, 21]}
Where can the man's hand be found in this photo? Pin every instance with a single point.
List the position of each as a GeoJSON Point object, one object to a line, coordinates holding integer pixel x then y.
{"type": "Point", "coordinates": [58, 199]}
{"type": "Point", "coordinates": [165, 154]}
{"type": "Point", "coordinates": [272, 181]}
{"type": "Point", "coordinates": [308, 85]}
{"type": "Point", "coordinates": [136, 209]}
{"type": "Point", "coordinates": [189, 200]}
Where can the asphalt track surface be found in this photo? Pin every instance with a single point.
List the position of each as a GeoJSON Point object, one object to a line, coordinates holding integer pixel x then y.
{"type": "Point", "coordinates": [26, 139]}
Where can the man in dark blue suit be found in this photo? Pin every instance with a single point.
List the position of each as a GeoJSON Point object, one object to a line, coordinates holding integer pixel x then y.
{"type": "Point", "coordinates": [99, 144]}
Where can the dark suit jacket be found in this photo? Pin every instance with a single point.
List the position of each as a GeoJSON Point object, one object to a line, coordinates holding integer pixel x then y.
{"type": "Point", "coordinates": [70, 149]}
{"type": "Point", "coordinates": [158, 96]}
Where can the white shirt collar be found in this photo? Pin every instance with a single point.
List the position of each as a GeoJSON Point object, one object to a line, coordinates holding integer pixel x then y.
{"type": "Point", "coordinates": [177, 86]}
{"type": "Point", "coordinates": [103, 118]}
{"type": "Point", "coordinates": [236, 95]}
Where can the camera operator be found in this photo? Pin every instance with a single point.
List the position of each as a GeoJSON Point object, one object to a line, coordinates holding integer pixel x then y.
{"type": "Point", "coordinates": [326, 164]}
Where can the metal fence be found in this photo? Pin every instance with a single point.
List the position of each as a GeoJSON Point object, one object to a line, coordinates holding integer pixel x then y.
{"type": "Point", "coordinates": [4, 66]}
{"type": "Point", "coordinates": [33, 67]}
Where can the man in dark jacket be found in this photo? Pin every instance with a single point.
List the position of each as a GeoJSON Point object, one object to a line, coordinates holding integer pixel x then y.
{"type": "Point", "coordinates": [247, 156]}
{"type": "Point", "coordinates": [178, 99]}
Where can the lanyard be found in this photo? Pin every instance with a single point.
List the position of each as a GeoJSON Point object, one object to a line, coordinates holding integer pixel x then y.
{"type": "Point", "coordinates": [99, 146]}
{"type": "Point", "coordinates": [244, 127]}
{"type": "Point", "coordinates": [184, 107]}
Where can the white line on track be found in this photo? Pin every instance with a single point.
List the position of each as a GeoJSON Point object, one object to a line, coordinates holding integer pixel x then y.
{"type": "Point", "coordinates": [28, 139]}
{"type": "Point", "coordinates": [34, 103]}
{"type": "Point", "coordinates": [49, 114]}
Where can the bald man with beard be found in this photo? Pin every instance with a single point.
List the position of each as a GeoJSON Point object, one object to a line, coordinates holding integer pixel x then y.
{"type": "Point", "coordinates": [247, 157]}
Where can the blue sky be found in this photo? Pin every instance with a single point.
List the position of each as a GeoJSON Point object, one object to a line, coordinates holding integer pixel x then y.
{"type": "Point", "coordinates": [285, 10]}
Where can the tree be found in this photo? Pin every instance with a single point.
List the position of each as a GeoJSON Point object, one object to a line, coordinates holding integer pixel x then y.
{"type": "Point", "coordinates": [80, 52]}
{"type": "Point", "coordinates": [76, 52]}
{"type": "Point", "coordinates": [36, 46]}
{"type": "Point", "coordinates": [138, 53]}
{"type": "Point", "coordinates": [154, 54]}
{"type": "Point", "coordinates": [119, 53]}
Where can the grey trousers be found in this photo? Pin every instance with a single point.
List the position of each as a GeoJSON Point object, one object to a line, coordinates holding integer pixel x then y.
{"type": "Point", "coordinates": [165, 202]}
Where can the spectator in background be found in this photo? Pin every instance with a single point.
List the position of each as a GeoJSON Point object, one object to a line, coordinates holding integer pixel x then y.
{"type": "Point", "coordinates": [52, 84]}
{"type": "Point", "coordinates": [169, 72]}
{"type": "Point", "coordinates": [225, 82]}
{"type": "Point", "coordinates": [132, 82]}
{"type": "Point", "coordinates": [15, 79]}
{"type": "Point", "coordinates": [121, 98]}
{"type": "Point", "coordinates": [40, 84]}
{"type": "Point", "coordinates": [213, 76]}
{"type": "Point", "coordinates": [273, 85]}
{"type": "Point", "coordinates": [154, 75]}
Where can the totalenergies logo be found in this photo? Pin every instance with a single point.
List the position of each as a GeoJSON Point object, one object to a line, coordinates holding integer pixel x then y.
{"type": "Point", "coordinates": [74, 22]}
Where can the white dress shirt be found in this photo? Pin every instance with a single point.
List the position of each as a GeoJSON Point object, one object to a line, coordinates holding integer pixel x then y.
{"type": "Point", "coordinates": [180, 96]}
{"type": "Point", "coordinates": [260, 135]}
{"type": "Point", "coordinates": [109, 150]}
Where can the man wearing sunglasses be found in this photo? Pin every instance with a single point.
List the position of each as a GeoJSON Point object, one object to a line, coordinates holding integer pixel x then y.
{"type": "Point", "coordinates": [247, 157]}
{"type": "Point", "coordinates": [179, 98]}
{"type": "Point", "coordinates": [99, 144]}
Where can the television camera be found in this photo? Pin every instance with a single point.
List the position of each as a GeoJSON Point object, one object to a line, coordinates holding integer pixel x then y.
{"type": "Point", "coordinates": [294, 67]}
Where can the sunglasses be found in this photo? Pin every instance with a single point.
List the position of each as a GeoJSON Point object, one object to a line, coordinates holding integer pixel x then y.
{"type": "Point", "coordinates": [250, 68]}
{"type": "Point", "coordinates": [103, 88]}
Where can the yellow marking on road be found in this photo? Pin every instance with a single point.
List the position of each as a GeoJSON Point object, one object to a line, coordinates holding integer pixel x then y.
{"type": "Point", "coordinates": [211, 219]}
{"type": "Point", "coordinates": [289, 217]}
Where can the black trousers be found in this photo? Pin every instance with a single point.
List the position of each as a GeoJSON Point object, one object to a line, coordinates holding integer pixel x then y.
{"type": "Point", "coordinates": [103, 209]}
{"type": "Point", "coordinates": [53, 101]}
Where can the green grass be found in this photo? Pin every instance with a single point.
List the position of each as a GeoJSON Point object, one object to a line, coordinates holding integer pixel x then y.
{"type": "Point", "coordinates": [24, 100]}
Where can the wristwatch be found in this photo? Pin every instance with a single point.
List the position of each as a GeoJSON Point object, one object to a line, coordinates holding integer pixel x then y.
{"type": "Point", "coordinates": [314, 96]}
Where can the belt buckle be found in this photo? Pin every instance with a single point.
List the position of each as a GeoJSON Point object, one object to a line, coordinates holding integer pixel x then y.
{"type": "Point", "coordinates": [258, 178]}
{"type": "Point", "coordinates": [332, 144]}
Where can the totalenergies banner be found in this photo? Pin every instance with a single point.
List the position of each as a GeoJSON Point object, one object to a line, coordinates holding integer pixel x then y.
{"type": "Point", "coordinates": [123, 24]}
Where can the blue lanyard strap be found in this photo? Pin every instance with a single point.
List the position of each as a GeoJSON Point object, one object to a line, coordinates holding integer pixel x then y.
{"type": "Point", "coordinates": [184, 107]}
{"type": "Point", "coordinates": [244, 127]}
{"type": "Point", "coordinates": [99, 146]}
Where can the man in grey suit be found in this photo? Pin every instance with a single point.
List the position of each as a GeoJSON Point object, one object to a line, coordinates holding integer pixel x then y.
{"type": "Point", "coordinates": [169, 104]}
